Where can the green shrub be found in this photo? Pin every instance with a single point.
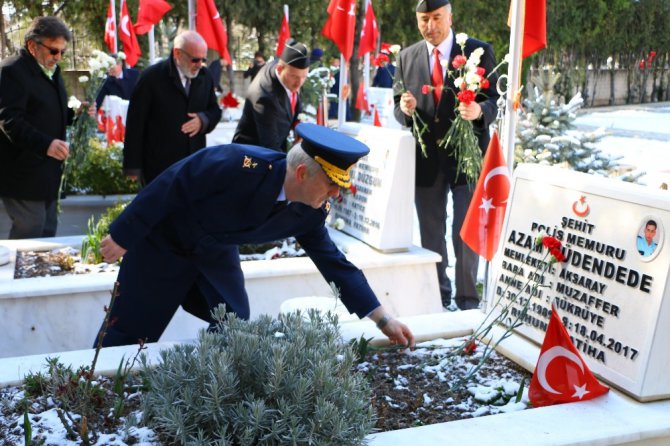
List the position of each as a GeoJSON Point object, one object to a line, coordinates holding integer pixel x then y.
{"type": "Point", "coordinates": [101, 172]}
{"type": "Point", "coordinates": [262, 382]}
{"type": "Point", "coordinates": [90, 246]}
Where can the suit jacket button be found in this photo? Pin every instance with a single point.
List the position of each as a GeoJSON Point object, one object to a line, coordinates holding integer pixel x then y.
{"type": "Point", "coordinates": [269, 166]}
{"type": "Point", "coordinates": [437, 119]}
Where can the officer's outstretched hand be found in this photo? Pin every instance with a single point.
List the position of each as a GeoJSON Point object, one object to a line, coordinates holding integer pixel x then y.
{"type": "Point", "coordinates": [398, 333]}
{"type": "Point", "coordinates": [110, 250]}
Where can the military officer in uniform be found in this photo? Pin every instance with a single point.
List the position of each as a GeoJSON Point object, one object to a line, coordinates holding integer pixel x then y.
{"type": "Point", "coordinates": [179, 237]}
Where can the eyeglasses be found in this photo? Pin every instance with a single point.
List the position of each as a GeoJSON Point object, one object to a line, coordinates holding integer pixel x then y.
{"type": "Point", "coordinates": [194, 59]}
{"type": "Point", "coordinates": [52, 51]}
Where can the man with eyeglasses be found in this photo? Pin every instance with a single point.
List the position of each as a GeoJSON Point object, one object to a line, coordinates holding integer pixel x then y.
{"type": "Point", "coordinates": [33, 117]}
{"type": "Point", "coordinates": [273, 102]}
{"type": "Point", "coordinates": [171, 110]}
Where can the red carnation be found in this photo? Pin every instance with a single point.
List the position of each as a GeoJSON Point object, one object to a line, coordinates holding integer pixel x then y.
{"type": "Point", "coordinates": [352, 189]}
{"type": "Point", "coordinates": [470, 347]}
{"type": "Point", "coordinates": [466, 96]}
{"type": "Point", "coordinates": [459, 61]}
{"type": "Point", "coordinates": [229, 101]}
{"type": "Point", "coordinates": [425, 89]}
{"type": "Point", "coordinates": [484, 83]}
{"type": "Point", "coordinates": [380, 58]}
{"type": "Point", "coordinates": [481, 71]}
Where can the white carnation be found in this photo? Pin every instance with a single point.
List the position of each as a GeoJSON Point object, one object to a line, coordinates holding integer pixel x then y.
{"type": "Point", "coordinates": [461, 38]}
{"type": "Point", "coordinates": [73, 102]}
{"type": "Point", "coordinates": [394, 49]}
{"type": "Point", "coordinates": [83, 79]}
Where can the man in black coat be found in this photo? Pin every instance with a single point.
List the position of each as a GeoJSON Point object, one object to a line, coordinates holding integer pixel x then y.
{"type": "Point", "coordinates": [120, 81]}
{"type": "Point", "coordinates": [273, 102]}
{"type": "Point", "coordinates": [171, 110]}
{"type": "Point", "coordinates": [179, 237]}
{"type": "Point", "coordinates": [436, 173]}
{"type": "Point", "coordinates": [33, 117]}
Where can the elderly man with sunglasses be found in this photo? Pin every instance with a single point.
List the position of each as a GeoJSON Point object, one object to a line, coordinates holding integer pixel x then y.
{"type": "Point", "coordinates": [172, 108]}
{"type": "Point", "coordinates": [33, 117]}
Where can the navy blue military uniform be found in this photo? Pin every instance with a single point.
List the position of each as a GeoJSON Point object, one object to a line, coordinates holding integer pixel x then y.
{"type": "Point", "coordinates": [182, 234]}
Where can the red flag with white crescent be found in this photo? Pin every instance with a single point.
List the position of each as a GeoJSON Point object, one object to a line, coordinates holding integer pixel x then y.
{"type": "Point", "coordinates": [482, 225]}
{"type": "Point", "coordinates": [149, 13]}
{"type": "Point", "coordinates": [110, 29]}
{"type": "Point", "coordinates": [127, 35]}
{"type": "Point", "coordinates": [209, 25]}
{"type": "Point", "coordinates": [369, 33]}
{"type": "Point", "coordinates": [284, 34]}
{"type": "Point", "coordinates": [340, 25]}
{"type": "Point", "coordinates": [561, 375]}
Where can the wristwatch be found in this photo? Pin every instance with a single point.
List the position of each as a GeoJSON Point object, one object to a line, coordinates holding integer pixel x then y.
{"type": "Point", "coordinates": [381, 323]}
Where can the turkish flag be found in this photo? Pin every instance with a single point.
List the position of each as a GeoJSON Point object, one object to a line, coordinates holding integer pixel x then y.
{"type": "Point", "coordinates": [284, 35]}
{"type": "Point", "coordinates": [127, 35]}
{"type": "Point", "coordinates": [150, 12]}
{"type": "Point", "coordinates": [369, 33]}
{"type": "Point", "coordinates": [483, 223]}
{"type": "Point", "coordinates": [110, 29]}
{"type": "Point", "coordinates": [101, 119]}
{"type": "Point", "coordinates": [376, 121]}
{"type": "Point", "coordinates": [561, 375]}
{"type": "Point", "coordinates": [534, 27]}
{"type": "Point", "coordinates": [340, 25]}
{"type": "Point", "coordinates": [362, 99]}
{"type": "Point", "coordinates": [210, 26]}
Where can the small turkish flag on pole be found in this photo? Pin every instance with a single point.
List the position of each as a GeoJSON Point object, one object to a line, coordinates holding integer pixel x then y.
{"type": "Point", "coordinates": [376, 121]}
{"type": "Point", "coordinates": [110, 28]}
{"type": "Point", "coordinates": [284, 33]}
{"type": "Point", "coordinates": [561, 375]}
{"type": "Point", "coordinates": [483, 223]}
{"type": "Point", "coordinates": [211, 28]}
{"type": "Point", "coordinates": [362, 99]}
{"type": "Point", "coordinates": [127, 34]}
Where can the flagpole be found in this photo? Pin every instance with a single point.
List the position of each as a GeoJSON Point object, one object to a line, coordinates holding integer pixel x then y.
{"type": "Point", "coordinates": [366, 59]}
{"type": "Point", "coordinates": [514, 80]}
{"type": "Point", "coordinates": [342, 105]}
{"type": "Point", "coordinates": [116, 26]}
{"type": "Point", "coordinates": [152, 49]}
{"type": "Point", "coordinates": [191, 15]}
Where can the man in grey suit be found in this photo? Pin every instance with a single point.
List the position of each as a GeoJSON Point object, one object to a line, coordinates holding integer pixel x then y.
{"type": "Point", "coordinates": [436, 173]}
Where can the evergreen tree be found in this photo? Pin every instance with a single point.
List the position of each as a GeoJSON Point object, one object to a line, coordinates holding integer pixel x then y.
{"type": "Point", "coordinates": [546, 133]}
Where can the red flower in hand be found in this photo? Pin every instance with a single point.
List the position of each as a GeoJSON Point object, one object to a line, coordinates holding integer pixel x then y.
{"type": "Point", "coordinates": [466, 96]}
{"type": "Point", "coordinates": [459, 61]}
{"type": "Point", "coordinates": [426, 89]}
{"type": "Point", "coordinates": [379, 59]}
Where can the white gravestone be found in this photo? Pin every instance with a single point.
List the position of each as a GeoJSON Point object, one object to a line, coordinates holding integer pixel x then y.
{"type": "Point", "coordinates": [381, 211]}
{"type": "Point", "coordinates": [612, 299]}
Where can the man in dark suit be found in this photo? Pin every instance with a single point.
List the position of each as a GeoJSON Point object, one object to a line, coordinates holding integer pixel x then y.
{"type": "Point", "coordinates": [179, 237]}
{"type": "Point", "coordinates": [33, 117]}
{"type": "Point", "coordinates": [436, 173]}
{"type": "Point", "coordinates": [273, 102]}
{"type": "Point", "coordinates": [172, 108]}
{"type": "Point", "coordinates": [120, 82]}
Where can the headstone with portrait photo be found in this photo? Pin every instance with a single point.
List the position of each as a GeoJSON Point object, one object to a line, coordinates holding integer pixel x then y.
{"type": "Point", "coordinates": [612, 291]}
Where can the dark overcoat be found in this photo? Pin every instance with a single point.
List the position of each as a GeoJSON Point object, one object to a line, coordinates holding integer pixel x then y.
{"type": "Point", "coordinates": [33, 112]}
{"type": "Point", "coordinates": [412, 73]}
{"type": "Point", "coordinates": [266, 117]}
{"type": "Point", "coordinates": [158, 108]}
{"type": "Point", "coordinates": [182, 234]}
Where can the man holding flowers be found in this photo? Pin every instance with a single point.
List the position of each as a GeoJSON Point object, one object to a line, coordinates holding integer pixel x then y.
{"type": "Point", "coordinates": [443, 81]}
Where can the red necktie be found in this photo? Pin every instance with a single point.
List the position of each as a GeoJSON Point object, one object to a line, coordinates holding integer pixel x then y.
{"type": "Point", "coordinates": [294, 100]}
{"type": "Point", "coordinates": [438, 80]}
